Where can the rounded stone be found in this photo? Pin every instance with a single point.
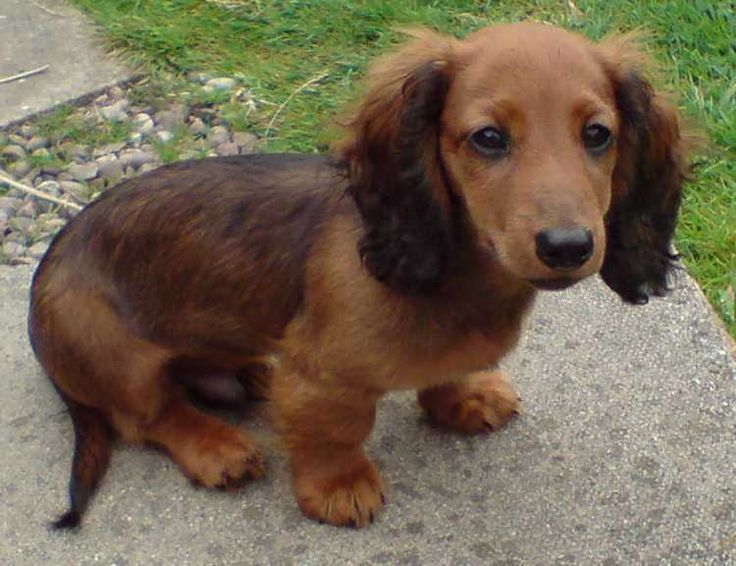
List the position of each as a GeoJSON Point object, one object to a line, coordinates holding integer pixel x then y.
{"type": "Point", "coordinates": [197, 126]}
{"type": "Point", "coordinates": [220, 83]}
{"type": "Point", "coordinates": [29, 209]}
{"type": "Point", "coordinates": [20, 168]}
{"type": "Point", "coordinates": [172, 117]}
{"type": "Point", "coordinates": [10, 205]}
{"type": "Point", "coordinates": [136, 157]}
{"type": "Point", "coordinates": [83, 171]}
{"type": "Point", "coordinates": [20, 224]}
{"type": "Point", "coordinates": [13, 250]}
{"type": "Point", "coordinates": [228, 148]}
{"type": "Point", "coordinates": [37, 142]}
{"type": "Point", "coordinates": [78, 191]}
{"type": "Point", "coordinates": [13, 152]}
{"type": "Point", "coordinates": [115, 112]}
{"type": "Point", "coordinates": [110, 168]}
{"type": "Point", "coordinates": [218, 135]}
{"type": "Point", "coordinates": [164, 136]}
{"type": "Point", "coordinates": [38, 250]}
{"type": "Point", "coordinates": [246, 141]}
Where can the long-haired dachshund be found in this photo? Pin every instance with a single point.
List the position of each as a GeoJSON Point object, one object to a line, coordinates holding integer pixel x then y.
{"type": "Point", "coordinates": [473, 174]}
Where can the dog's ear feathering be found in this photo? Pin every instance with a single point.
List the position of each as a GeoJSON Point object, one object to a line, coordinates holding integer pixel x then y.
{"type": "Point", "coordinates": [647, 184]}
{"type": "Point", "coordinates": [391, 152]}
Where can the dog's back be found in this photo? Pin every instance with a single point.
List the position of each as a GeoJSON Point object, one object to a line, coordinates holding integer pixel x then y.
{"type": "Point", "coordinates": [193, 232]}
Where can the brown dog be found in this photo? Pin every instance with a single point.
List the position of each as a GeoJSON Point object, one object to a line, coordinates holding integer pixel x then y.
{"type": "Point", "coordinates": [474, 173]}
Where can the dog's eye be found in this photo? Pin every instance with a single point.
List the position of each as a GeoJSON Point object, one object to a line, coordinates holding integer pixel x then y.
{"type": "Point", "coordinates": [597, 138]}
{"type": "Point", "coordinates": [490, 142]}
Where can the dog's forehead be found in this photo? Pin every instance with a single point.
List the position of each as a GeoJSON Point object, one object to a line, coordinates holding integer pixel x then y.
{"type": "Point", "coordinates": [524, 58]}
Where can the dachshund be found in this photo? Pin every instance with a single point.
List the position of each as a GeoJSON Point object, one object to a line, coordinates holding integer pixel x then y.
{"type": "Point", "coordinates": [472, 174]}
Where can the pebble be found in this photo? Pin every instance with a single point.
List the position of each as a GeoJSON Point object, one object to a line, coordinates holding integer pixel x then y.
{"type": "Point", "coordinates": [79, 152]}
{"type": "Point", "coordinates": [10, 205]}
{"type": "Point", "coordinates": [198, 77]}
{"type": "Point", "coordinates": [220, 83]}
{"type": "Point", "coordinates": [78, 191]}
{"type": "Point", "coordinates": [13, 152]}
{"type": "Point", "coordinates": [116, 111]}
{"type": "Point", "coordinates": [110, 167]}
{"type": "Point", "coordinates": [197, 126]}
{"type": "Point", "coordinates": [136, 157]}
{"type": "Point", "coordinates": [37, 250]}
{"type": "Point", "coordinates": [12, 249]}
{"type": "Point", "coordinates": [218, 135]}
{"type": "Point", "coordinates": [29, 209]}
{"type": "Point", "coordinates": [20, 224]}
{"type": "Point", "coordinates": [37, 142]}
{"type": "Point", "coordinates": [143, 124]}
{"type": "Point", "coordinates": [228, 148]}
{"type": "Point", "coordinates": [83, 171]}
{"type": "Point", "coordinates": [164, 136]}
{"type": "Point", "coordinates": [246, 141]}
{"type": "Point", "coordinates": [172, 117]}
{"type": "Point", "coordinates": [20, 168]}
{"type": "Point", "coordinates": [107, 149]}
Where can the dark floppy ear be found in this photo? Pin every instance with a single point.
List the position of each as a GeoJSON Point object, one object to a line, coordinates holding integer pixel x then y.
{"type": "Point", "coordinates": [647, 182]}
{"type": "Point", "coordinates": [392, 153]}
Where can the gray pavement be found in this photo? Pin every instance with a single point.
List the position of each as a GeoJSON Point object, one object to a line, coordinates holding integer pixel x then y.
{"type": "Point", "coordinates": [49, 32]}
{"type": "Point", "coordinates": [626, 455]}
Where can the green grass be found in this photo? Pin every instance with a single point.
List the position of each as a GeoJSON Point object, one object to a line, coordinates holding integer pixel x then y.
{"type": "Point", "coordinates": [274, 47]}
{"type": "Point", "coordinates": [66, 125]}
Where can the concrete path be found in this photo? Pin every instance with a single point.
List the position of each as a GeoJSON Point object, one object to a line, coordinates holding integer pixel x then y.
{"type": "Point", "coordinates": [49, 32]}
{"type": "Point", "coordinates": [626, 454]}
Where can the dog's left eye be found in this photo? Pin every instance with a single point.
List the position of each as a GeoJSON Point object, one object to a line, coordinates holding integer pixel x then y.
{"type": "Point", "coordinates": [597, 138]}
{"type": "Point", "coordinates": [490, 142]}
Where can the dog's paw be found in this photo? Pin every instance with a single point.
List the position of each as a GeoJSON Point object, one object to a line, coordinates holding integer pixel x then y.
{"type": "Point", "coordinates": [481, 403]}
{"type": "Point", "coordinates": [226, 461]}
{"type": "Point", "coordinates": [340, 495]}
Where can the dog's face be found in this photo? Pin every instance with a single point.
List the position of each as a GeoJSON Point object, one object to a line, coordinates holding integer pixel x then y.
{"type": "Point", "coordinates": [528, 135]}
{"type": "Point", "coordinates": [562, 157]}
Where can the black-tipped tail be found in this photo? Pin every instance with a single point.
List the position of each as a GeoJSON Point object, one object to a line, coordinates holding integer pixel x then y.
{"type": "Point", "coordinates": [91, 458]}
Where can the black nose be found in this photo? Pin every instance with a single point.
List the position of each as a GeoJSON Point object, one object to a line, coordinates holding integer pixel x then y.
{"type": "Point", "coordinates": [564, 248]}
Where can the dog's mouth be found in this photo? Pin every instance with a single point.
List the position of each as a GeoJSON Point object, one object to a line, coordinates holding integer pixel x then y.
{"type": "Point", "coordinates": [556, 284]}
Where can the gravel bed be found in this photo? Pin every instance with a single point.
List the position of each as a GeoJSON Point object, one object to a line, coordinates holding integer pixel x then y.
{"type": "Point", "coordinates": [78, 173]}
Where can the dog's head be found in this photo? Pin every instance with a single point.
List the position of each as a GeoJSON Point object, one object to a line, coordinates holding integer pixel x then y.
{"type": "Point", "coordinates": [560, 156]}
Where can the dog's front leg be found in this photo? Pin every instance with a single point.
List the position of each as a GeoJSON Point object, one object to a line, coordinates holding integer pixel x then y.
{"type": "Point", "coordinates": [323, 426]}
{"type": "Point", "coordinates": [482, 401]}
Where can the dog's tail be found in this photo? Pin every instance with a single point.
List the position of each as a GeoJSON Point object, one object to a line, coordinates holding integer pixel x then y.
{"type": "Point", "coordinates": [92, 444]}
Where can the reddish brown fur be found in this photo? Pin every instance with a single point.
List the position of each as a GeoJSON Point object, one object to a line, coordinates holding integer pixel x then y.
{"type": "Point", "coordinates": [407, 263]}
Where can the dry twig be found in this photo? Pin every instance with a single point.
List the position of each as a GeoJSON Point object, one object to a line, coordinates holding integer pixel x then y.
{"type": "Point", "coordinates": [47, 10]}
{"type": "Point", "coordinates": [290, 97]}
{"type": "Point", "coordinates": [24, 74]}
{"type": "Point", "coordinates": [36, 193]}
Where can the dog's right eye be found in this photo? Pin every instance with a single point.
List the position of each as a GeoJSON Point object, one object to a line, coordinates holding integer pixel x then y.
{"type": "Point", "coordinates": [490, 142]}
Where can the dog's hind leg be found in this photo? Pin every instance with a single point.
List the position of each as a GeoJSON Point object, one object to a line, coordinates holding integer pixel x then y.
{"type": "Point", "coordinates": [209, 451]}
{"type": "Point", "coordinates": [108, 374]}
